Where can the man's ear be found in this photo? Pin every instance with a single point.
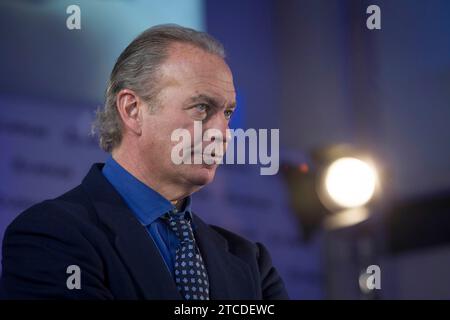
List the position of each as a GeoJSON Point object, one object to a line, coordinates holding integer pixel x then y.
{"type": "Point", "coordinates": [130, 108]}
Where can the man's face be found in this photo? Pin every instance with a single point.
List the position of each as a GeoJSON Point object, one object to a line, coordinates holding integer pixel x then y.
{"type": "Point", "coordinates": [196, 86]}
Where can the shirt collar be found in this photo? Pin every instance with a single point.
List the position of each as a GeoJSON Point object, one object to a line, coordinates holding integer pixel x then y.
{"type": "Point", "coordinates": [147, 204]}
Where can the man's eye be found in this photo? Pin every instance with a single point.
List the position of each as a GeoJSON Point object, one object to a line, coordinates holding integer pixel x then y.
{"type": "Point", "coordinates": [228, 113]}
{"type": "Point", "coordinates": [202, 107]}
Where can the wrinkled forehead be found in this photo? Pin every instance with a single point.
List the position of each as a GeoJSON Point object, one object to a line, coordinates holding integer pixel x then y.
{"type": "Point", "coordinates": [191, 66]}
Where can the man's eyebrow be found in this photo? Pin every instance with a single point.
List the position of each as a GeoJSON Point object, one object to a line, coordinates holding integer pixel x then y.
{"type": "Point", "coordinates": [210, 100]}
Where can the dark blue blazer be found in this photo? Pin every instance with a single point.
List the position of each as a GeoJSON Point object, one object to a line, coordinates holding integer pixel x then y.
{"type": "Point", "coordinates": [90, 226]}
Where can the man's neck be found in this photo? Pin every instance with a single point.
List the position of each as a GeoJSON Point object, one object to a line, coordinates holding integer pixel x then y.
{"type": "Point", "coordinates": [179, 204]}
{"type": "Point", "coordinates": [172, 193]}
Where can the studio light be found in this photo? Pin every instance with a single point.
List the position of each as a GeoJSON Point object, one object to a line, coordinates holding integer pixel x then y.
{"type": "Point", "coordinates": [350, 182]}
{"type": "Point", "coordinates": [333, 187]}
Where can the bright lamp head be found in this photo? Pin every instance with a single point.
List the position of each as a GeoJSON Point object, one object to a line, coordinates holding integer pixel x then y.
{"type": "Point", "coordinates": [350, 182]}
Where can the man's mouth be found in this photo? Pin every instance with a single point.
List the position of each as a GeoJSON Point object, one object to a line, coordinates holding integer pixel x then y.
{"type": "Point", "coordinates": [211, 159]}
{"type": "Point", "coordinates": [199, 152]}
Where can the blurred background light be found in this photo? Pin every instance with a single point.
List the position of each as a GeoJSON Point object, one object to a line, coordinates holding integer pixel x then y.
{"type": "Point", "coordinates": [350, 182]}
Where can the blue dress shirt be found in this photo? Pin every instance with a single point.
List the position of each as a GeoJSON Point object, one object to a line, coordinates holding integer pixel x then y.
{"type": "Point", "coordinates": [149, 207]}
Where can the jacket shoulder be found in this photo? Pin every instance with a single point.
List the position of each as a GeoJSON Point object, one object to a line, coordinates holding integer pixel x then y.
{"type": "Point", "coordinates": [42, 242]}
{"type": "Point", "coordinates": [72, 206]}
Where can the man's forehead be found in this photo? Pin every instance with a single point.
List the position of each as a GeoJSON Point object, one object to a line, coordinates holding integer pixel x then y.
{"type": "Point", "coordinates": [187, 61]}
{"type": "Point", "coordinates": [202, 86]}
{"type": "Point", "coordinates": [208, 75]}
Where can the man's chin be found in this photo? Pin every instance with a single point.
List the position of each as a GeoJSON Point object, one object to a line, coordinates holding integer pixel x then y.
{"type": "Point", "coordinates": [202, 174]}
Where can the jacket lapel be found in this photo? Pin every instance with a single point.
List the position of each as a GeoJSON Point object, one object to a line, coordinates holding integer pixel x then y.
{"type": "Point", "coordinates": [132, 241]}
{"type": "Point", "coordinates": [229, 276]}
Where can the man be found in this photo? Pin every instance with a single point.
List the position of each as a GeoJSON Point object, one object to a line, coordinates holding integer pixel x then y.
{"type": "Point", "coordinates": [128, 232]}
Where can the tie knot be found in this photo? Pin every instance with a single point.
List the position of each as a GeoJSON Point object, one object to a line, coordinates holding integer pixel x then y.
{"type": "Point", "coordinates": [181, 226]}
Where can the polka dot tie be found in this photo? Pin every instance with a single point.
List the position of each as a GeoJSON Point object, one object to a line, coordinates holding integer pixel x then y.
{"type": "Point", "coordinates": [190, 274]}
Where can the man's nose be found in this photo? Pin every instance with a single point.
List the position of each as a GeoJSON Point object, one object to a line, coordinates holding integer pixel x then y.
{"type": "Point", "coordinates": [220, 123]}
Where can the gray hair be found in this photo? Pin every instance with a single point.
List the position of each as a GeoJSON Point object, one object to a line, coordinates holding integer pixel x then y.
{"type": "Point", "coordinates": [137, 69]}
